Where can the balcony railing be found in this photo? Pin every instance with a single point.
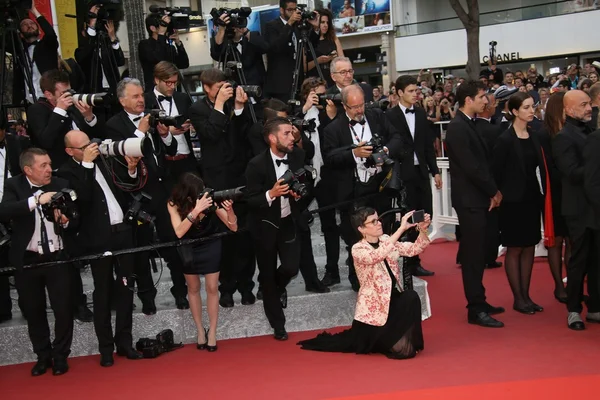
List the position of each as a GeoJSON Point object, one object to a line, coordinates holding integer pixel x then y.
{"type": "Point", "coordinates": [498, 17]}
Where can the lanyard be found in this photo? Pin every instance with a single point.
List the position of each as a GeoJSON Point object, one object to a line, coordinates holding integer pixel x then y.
{"type": "Point", "coordinates": [358, 140]}
{"type": "Point", "coordinates": [170, 105]}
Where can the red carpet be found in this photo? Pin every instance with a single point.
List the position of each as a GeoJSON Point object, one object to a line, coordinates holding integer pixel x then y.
{"type": "Point", "coordinates": [533, 357]}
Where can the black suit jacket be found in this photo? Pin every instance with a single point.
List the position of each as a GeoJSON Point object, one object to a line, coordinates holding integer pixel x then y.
{"type": "Point", "coordinates": [14, 146]}
{"type": "Point", "coordinates": [472, 182]}
{"type": "Point", "coordinates": [251, 57]}
{"type": "Point", "coordinates": [152, 51]}
{"type": "Point", "coordinates": [509, 165]}
{"type": "Point", "coordinates": [48, 129]}
{"type": "Point", "coordinates": [15, 208]}
{"type": "Point", "coordinates": [421, 145]}
{"type": "Point", "coordinates": [84, 56]}
{"type": "Point", "coordinates": [592, 173]}
{"type": "Point", "coordinates": [224, 144]}
{"type": "Point", "coordinates": [489, 132]}
{"type": "Point", "coordinates": [182, 102]}
{"type": "Point", "coordinates": [45, 56]}
{"type": "Point", "coordinates": [568, 147]}
{"type": "Point", "coordinates": [94, 223]}
{"type": "Point", "coordinates": [341, 163]}
{"type": "Point", "coordinates": [260, 177]}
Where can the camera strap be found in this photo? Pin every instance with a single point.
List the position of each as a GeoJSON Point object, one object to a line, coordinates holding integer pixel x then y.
{"type": "Point", "coordinates": [162, 108]}
{"type": "Point", "coordinates": [358, 140]}
{"type": "Point", "coordinates": [45, 243]}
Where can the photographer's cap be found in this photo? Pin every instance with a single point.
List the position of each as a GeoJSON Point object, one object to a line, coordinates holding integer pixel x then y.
{"type": "Point", "coordinates": [503, 92]}
{"type": "Point", "coordinates": [449, 76]}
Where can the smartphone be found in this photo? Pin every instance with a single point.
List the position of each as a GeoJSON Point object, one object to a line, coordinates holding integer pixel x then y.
{"type": "Point", "coordinates": [418, 216]}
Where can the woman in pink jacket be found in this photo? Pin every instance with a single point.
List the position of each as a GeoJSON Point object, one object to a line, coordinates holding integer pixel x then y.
{"type": "Point", "coordinates": [387, 318]}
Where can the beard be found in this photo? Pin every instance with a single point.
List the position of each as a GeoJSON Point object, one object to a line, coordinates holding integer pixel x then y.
{"type": "Point", "coordinates": [31, 35]}
{"type": "Point", "coordinates": [282, 148]}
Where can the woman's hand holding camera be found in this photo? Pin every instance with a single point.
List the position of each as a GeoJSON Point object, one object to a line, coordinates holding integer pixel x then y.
{"type": "Point", "coordinates": [227, 205]}
{"type": "Point", "coordinates": [203, 204]}
{"type": "Point", "coordinates": [422, 226]}
{"type": "Point", "coordinates": [406, 224]}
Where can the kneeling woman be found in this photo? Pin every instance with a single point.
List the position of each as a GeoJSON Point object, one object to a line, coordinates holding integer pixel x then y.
{"type": "Point", "coordinates": [192, 219]}
{"type": "Point", "coordinates": [387, 318]}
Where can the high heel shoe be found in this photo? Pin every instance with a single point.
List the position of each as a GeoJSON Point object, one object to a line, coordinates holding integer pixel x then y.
{"type": "Point", "coordinates": [209, 347]}
{"type": "Point", "coordinates": [560, 299]}
{"type": "Point", "coordinates": [536, 307]}
{"type": "Point", "coordinates": [528, 310]}
{"type": "Point", "coordinates": [202, 346]}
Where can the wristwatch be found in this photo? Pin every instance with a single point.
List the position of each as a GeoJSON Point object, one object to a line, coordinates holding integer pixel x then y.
{"type": "Point", "coordinates": [190, 217]}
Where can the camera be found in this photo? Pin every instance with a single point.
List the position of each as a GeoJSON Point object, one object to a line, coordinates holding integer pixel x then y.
{"type": "Point", "coordinates": [238, 17]}
{"type": "Point", "coordinates": [251, 90]}
{"type": "Point", "coordinates": [63, 201]}
{"type": "Point", "coordinates": [135, 214]}
{"type": "Point", "coordinates": [220, 196]}
{"type": "Point", "coordinates": [182, 18]}
{"type": "Point", "coordinates": [300, 180]}
{"type": "Point", "coordinates": [160, 116]}
{"type": "Point", "coordinates": [152, 348]}
{"type": "Point", "coordinates": [305, 16]}
{"type": "Point", "coordinates": [378, 156]}
{"type": "Point", "coordinates": [301, 124]}
{"type": "Point", "coordinates": [381, 104]}
{"type": "Point", "coordinates": [132, 147]}
{"type": "Point", "coordinates": [109, 10]}
{"type": "Point", "coordinates": [4, 235]}
{"type": "Point", "coordinates": [336, 98]}
{"type": "Point", "coordinates": [92, 100]}
{"type": "Point", "coordinates": [14, 8]}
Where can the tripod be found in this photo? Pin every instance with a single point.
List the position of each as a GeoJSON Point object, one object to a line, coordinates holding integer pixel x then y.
{"type": "Point", "coordinates": [300, 51]}
{"type": "Point", "coordinates": [231, 51]}
{"type": "Point", "coordinates": [103, 51]}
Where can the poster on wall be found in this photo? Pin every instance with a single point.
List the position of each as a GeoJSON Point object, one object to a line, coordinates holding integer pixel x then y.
{"type": "Point", "coordinates": [355, 17]}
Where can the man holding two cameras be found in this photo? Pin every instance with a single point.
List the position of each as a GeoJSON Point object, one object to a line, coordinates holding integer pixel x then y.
{"type": "Point", "coordinates": [102, 207]}
{"type": "Point", "coordinates": [36, 240]}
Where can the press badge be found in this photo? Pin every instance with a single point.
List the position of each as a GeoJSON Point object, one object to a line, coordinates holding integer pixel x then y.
{"type": "Point", "coordinates": [50, 246]}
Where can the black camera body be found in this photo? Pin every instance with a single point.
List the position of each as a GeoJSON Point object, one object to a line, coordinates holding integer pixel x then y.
{"type": "Point", "coordinates": [302, 124]}
{"type": "Point", "coordinates": [63, 201]}
{"type": "Point", "coordinates": [300, 181]}
{"type": "Point", "coordinates": [336, 98]}
{"type": "Point", "coordinates": [135, 214]}
{"type": "Point", "coordinates": [109, 10]}
{"type": "Point", "coordinates": [381, 104]}
{"type": "Point", "coordinates": [378, 156]}
{"type": "Point", "coordinates": [4, 235]}
{"type": "Point", "coordinates": [238, 17]}
{"type": "Point", "coordinates": [152, 348]}
{"type": "Point", "coordinates": [160, 116]}
{"type": "Point", "coordinates": [182, 18]}
{"type": "Point", "coordinates": [251, 90]}
{"type": "Point", "coordinates": [305, 16]}
{"type": "Point", "coordinates": [220, 196]}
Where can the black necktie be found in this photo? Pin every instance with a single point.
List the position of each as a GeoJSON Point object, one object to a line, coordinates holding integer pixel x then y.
{"type": "Point", "coordinates": [279, 162]}
{"type": "Point", "coordinates": [354, 122]}
{"type": "Point", "coordinates": [163, 98]}
{"type": "Point", "coordinates": [409, 111]}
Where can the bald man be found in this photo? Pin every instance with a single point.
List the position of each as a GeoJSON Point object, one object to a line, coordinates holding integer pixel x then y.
{"type": "Point", "coordinates": [103, 228]}
{"type": "Point", "coordinates": [568, 149]}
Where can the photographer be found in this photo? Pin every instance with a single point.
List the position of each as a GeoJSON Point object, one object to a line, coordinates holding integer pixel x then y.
{"type": "Point", "coordinates": [57, 113]}
{"type": "Point", "coordinates": [273, 218]}
{"type": "Point", "coordinates": [174, 104]}
{"type": "Point", "coordinates": [250, 46]}
{"type": "Point", "coordinates": [107, 71]}
{"type": "Point", "coordinates": [160, 47]}
{"type": "Point", "coordinates": [221, 128]}
{"type": "Point", "coordinates": [35, 240]}
{"type": "Point", "coordinates": [283, 37]}
{"type": "Point", "coordinates": [343, 76]}
{"type": "Point", "coordinates": [39, 57]}
{"type": "Point", "coordinates": [348, 154]}
{"type": "Point", "coordinates": [133, 122]}
{"type": "Point", "coordinates": [102, 208]}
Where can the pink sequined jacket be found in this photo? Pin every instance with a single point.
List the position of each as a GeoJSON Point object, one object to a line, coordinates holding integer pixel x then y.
{"type": "Point", "coordinates": [373, 302]}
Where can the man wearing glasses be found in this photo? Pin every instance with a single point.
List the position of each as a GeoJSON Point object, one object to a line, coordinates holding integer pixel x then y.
{"type": "Point", "coordinates": [343, 76]}
{"type": "Point", "coordinates": [174, 104]}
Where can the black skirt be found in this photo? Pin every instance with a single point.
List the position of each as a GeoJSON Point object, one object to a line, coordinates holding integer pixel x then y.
{"type": "Point", "coordinates": [207, 258]}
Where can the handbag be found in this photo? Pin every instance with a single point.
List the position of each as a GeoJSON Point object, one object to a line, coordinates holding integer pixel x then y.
{"type": "Point", "coordinates": [186, 254]}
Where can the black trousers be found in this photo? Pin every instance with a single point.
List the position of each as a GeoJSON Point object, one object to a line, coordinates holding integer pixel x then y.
{"type": "Point", "coordinates": [308, 268]}
{"type": "Point", "coordinates": [238, 262]}
{"type": "Point", "coordinates": [31, 285]}
{"type": "Point", "coordinates": [492, 238]}
{"type": "Point", "coordinates": [102, 272]}
{"type": "Point", "coordinates": [5, 301]}
{"type": "Point", "coordinates": [585, 245]}
{"type": "Point", "coordinates": [273, 280]}
{"type": "Point", "coordinates": [418, 197]}
{"type": "Point", "coordinates": [473, 223]}
{"type": "Point", "coordinates": [329, 227]}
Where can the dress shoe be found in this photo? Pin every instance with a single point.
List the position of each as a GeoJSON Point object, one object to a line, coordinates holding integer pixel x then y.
{"type": "Point", "coordinates": [226, 300]}
{"type": "Point", "coordinates": [560, 299]}
{"type": "Point", "coordinates": [60, 367]}
{"type": "Point", "coordinates": [40, 367]}
{"type": "Point", "coordinates": [420, 271]}
{"type": "Point", "coordinates": [495, 264]}
{"type": "Point", "coordinates": [248, 298]}
{"type": "Point", "coordinates": [181, 302]}
{"type": "Point", "coordinates": [129, 352]}
{"type": "Point", "coordinates": [525, 309]}
{"type": "Point", "coordinates": [494, 310]}
{"type": "Point", "coordinates": [259, 293]}
{"type": "Point", "coordinates": [83, 313]}
{"type": "Point", "coordinates": [536, 307]}
{"type": "Point", "coordinates": [575, 322]}
{"type": "Point", "coordinates": [280, 334]}
{"type": "Point", "coordinates": [5, 317]}
{"type": "Point", "coordinates": [211, 349]}
{"type": "Point", "coordinates": [593, 317]}
{"type": "Point", "coordinates": [484, 319]}
{"type": "Point", "coordinates": [283, 299]}
{"type": "Point", "coordinates": [329, 279]}
{"type": "Point", "coordinates": [149, 307]}
{"type": "Point", "coordinates": [317, 287]}
{"type": "Point", "coordinates": [107, 360]}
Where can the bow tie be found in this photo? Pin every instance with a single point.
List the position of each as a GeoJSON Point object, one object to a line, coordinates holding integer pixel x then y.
{"type": "Point", "coordinates": [409, 111]}
{"type": "Point", "coordinates": [163, 98]}
{"type": "Point", "coordinates": [136, 119]}
{"type": "Point", "coordinates": [27, 45]}
{"type": "Point", "coordinates": [354, 122]}
{"type": "Point", "coordinates": [279, 162]}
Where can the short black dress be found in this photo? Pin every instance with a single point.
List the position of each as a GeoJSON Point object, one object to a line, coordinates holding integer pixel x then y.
{"type": "Point", "coordinates": [401, 337]}
{"type": "Point", "coordinates": [207, 254]}
{"type": "Point", "coordinates": [323, 48]}
{"type": "Point", "coordinates": [520, 221]}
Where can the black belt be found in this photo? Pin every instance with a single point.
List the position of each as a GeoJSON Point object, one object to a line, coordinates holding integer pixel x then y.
{"type": "Point", "coordinates": [122, 227]}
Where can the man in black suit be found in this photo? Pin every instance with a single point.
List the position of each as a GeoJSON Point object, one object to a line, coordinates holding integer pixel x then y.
{"type": "Point", "coordinates": [40, 56]}
{"type": "Point", "coordinates": [250, 47]}
{"type": "Point", "coordinates": [58, 113]}
{"type": "Point", "coordinates": [474, 195]}
{"type": "Point", "coordinates": [221, 128]}
{"type": "Point", "coordinates": [133, 122]}
{"type": "Point", "coordinates": [283, 38]}
{"type": "Point", "coordinates": [595, 96]}
{"type": "Point", "coordinates": [102, 228]}
{"type": "Point", "coordinates": [173, 103]}
{"type": "Point", "coordinates": [417, 136]}
{"type": "Point", "coordinates": [569, 147]}
{"type": "Point", "coordinates": [35, 240]}
{"type": "Point", "coordinates": [355, 177]}
{"type": "Point", "coordinates": [160, 47]}
{"type": "Point", "coordinates": [273, 218]}
{"type": "Point", "coordinates": [342, 74]}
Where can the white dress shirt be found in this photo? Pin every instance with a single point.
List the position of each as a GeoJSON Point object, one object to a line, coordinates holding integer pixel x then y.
{"type": "Point", "coordinates": [286, 209]}
{"type": "Point", "coordinates": [115, 212]}
{"type": "Point", "coordinates": [92, 33]}
{"type": "Point", "coordinates": [171, 109]}
{"type": "Point", "coordinates": [35, 244]}
{"type": "Point", "coordinates": [410, 120]}
{"type": "Point", "coordinates": [35, 77]}
{"type": "Point", "coordinates": [317, 160]}
{"type": "Point", "coordinates": [362, 133]}
{"type": "Point", "coordinates": [3, 166]}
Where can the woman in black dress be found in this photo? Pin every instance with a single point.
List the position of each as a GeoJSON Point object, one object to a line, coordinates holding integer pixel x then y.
{"type": "Point", "coordinates": [387, 318]}
{"type": "Point", "coordinates": [328, 48]}
{"type": "Point", "coordinates": [517, 162]}
{"type": "Point", "coordinates": [192, 217]}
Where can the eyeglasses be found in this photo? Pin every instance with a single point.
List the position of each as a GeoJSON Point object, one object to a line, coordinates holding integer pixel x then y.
{"type": "Point", "coordinates": [80, 148]}
{"type": "Point", "coordinates": [291, 9]}
{"type": "Point", "coordinates": [171, 83]}
{"type": "Point", "coordinates": [373, 222]}
{"type": "Point", "coordinates": [356, 107]}
{"type": "Point", "coordinates": [344, 72]}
